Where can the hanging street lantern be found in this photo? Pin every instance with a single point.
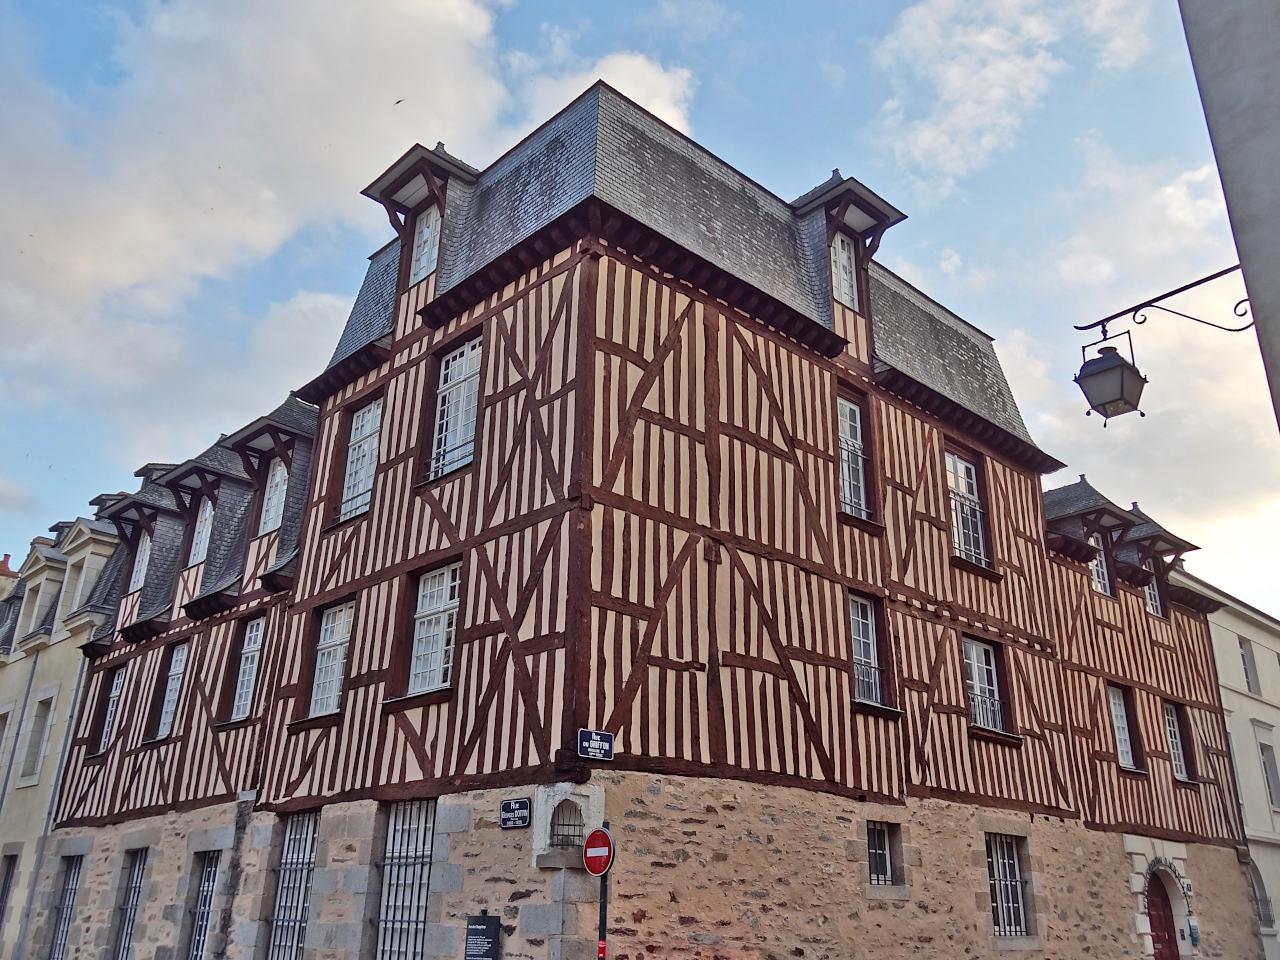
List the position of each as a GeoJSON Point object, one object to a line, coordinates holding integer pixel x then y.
{"type": "Point", "coordinates": [1111, 384]}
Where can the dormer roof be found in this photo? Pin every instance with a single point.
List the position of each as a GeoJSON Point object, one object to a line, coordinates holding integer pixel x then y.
{"type": "Point", "coordinates": [1080, 509]}
{"type": "Point", "coordinates": [293, 418]}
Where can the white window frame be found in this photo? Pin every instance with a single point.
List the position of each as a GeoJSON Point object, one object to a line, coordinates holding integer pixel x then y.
{"type": "Point", "coordinates": [1117, 702]}
{"type": "Point", "coordinates": [331, 658]}
{"type": "Point", "coordinates": [200, 533]}
{"type": "Point", "coordinates": [868, 686]}
{"type": "Point", "coordinates": [273, 495]}
{"type": "Point", "coordinates": [426, 244]}
{"type": "Point", "coordinates": [982, 679]}
{"type": "Point", "coordinates": [247, 672]}
{"type": "Point", "coordinates": [172, 689]}
{"type": "Point", "coordinates": [844, 270]}
{"type": "Point", "coordinates": [141, 559]}
{"type": "Point", "coordinates": [968, 536]}
{"type": "Point", "coordinates": [1270, 773]}
{"type": "Point", "coordinates": [1099, 572]}
{"type": "Point", "coordinates": [1008, 897]}
{"type": "Point", "coordinates": [435, 624]}
{"type": "Point", "coordinates": [1177, 749]}
{"type": "Point", "coordinates": [362, 459]}
{"type": "Point", "coordinates": [112, 708]}
{"type": "Point", "coordinates": [853, 472]}
{"type": "Point", "coordinates": [1155, 602]}
{"type": "Point", "coordinates": [457, 402]}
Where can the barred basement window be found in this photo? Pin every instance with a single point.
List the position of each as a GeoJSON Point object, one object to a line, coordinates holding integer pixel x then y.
{"type": "Point", "coordinates": [457, 398]}
{"type": "Point", "coordinates": [65, 910]}
{"type": "Point", "coordinates": [293, 891]}
{"type": "Point", "coordinates": [879, 853]}
{"type": "Point", "coordinates": [567, 826]}
{"type": "Point", "coordinates": [135, 866]}
{"type": "Point", "coordinates": [7, 872]}
{"type": "Point", "coordinates": [207, 868]}
{"type": "Point", "coordinates": [1008, 893]}
{"type": "Point", "coordinates": [406, 880]}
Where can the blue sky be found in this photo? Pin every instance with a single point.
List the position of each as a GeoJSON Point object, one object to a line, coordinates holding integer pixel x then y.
{"type": "Point", "coordinates": [182, 233]}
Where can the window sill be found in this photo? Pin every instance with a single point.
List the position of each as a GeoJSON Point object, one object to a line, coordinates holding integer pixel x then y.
{"type": "Point", "coordinates": [426, 483]}
{"type": "Point", "coordinates": [424, 699]}
{"type": "Point", "coordinates": [995, 736]}
{"type": "Point", "coordinates": [97, 759]}
{"type": "Point", "coordinates": [1185, 783]}
{"type": "Point", "coordinates": [987, 573]}
{"type": "Point", "coordinates": [222, 726]}
{"type": "Point", "coordinates": [28, 781]}
{"type": "Point", "coordinates": [1136, 773]}
{"type": "Point", "coordinates": [150, 743]}
{"type": "Point", "coordinates": [314, 723]}
{"type": "Point", "coordinates": [865, 524]}
{"type": "Point", "coordinates": [888, 891]}
{"type": "Point", "coordinates": [1017, 943]}
{"type": "Point", "coordinates": [876, 709]}
{"type": "Point", "coordinates": [334, 525]}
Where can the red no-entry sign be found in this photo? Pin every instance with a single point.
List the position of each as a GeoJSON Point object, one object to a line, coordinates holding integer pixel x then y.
{"type": "Point", "coordinates": [597, 852]}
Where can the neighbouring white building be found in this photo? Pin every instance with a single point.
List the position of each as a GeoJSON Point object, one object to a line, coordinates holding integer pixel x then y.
{"type": "Point", "coordinates": [1246, 645]}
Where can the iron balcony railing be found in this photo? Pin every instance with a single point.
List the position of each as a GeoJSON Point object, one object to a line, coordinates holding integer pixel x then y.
{"type": "Point", "coordinates": [867, 682]}
{"type": "Point", "coordinates": [986, 712]}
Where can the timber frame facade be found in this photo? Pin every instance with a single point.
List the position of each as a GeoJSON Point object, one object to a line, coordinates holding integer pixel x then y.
{"type": "Point", "coordinates": [654, 537]}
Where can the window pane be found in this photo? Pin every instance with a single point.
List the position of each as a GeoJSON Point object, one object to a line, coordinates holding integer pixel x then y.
{"type": "Point", "coordinates": [331, 658]}
{"type": "Point", "coordinates": [853, 489]}
{"type": "Point", "coordinates": [866, 659]}
{"type": "Point", "coordinates": [434, 625]}
{"type": "Point", "coordinates": [985, 707]}
{"type": "Point", "coordinates": [453, 438]}
{"type": "Point", "coordinates": [1120, 724]}
{"type": "Point", "coordinates": [1098, 566]}
{"type": "Point", "coordinates": [426, 244]}
{"type": "Point", "coordinates": [248, 672]}
{"type": "Point", "coordinates": [967, 538]}
{"type": "Point", "coordinates": [273, 496]}
{"type": "Point", "coordinates": [141, 557]}
{"type": "Point", "coordinates": [362, 459]}
{"type": "Point", "coordinates": [844, 285]}
{"type": "Point", "coordinates": [200, 536]}
{"type": "Point", "coordinates": [39, 726]}
{"type": "Point", "coordinates": [1173, 729]}
{"type": "Point", "coordinates": [112, 707]}
{"type": "Point", "coordinates": [172, 689]}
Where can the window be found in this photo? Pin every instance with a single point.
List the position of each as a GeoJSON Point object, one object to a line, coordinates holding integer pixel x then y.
{"type": "Point", "coordinates": [867, 674]}
{"type": "Point", "coordinates": [8, 870]}
{"type": "Point", "coordinates": [853, 474]}
{"type": "Point", "coordinates": [206, 868]}
{"type": "Point", "coordinates": [273, 496]}
{"type": "Point", "coordinates": [880, 859]}
{"type": "Point", "coordinates": [433, 629]}
{"type": "Point", "coordinates": [1173, 724]}
{"type": "Point", "coordinates": [362, 459]}
{"type": "Point", "coordinates": [453, 439]}
{"type": "Point", "coordinates": [247, 675]}
{"type": "Point", "coordinates": [172, 688]}
{"type": "Point", "coordinates": [983, 681]}
{"type": "Point", "coordinates": [4, 732]}
{"type": "Point", "coordinates": [1271, 774]}
{"type": "Point", "coordinates": [426, 244]}
{"type": "Point", "coordinates": [113, 685]}
{"type": "Point", "coordinates": [967, 538]}
{"type": "Point", "coordinates": [36, 734]}
{"type": "Point", "coordinates": [1008, 897]}
{"type": "Point", "coordinates": [1121, 723]}
{"type": "Point", "coordinates": [141, 557]}
{"type": "Point", "coordinates": [135, 865]}
{"type": "Point", "coordinates": [200, 535]}
{"type": "Point", "coordinates": [406, 880]}
{"type": "Point", "coordinates": [293, 888]}
{"type": "Point", "coordinates": [1250, 666]}
{"type": "Point", "coordinates": [1098, 566]}
{"type": "Point", "coordinates": [1266, 916]}
{"type": "Point", "coordinates": [844, 276]}
{"type": "Point", "coordinates": [331, 658]}
{"type": "Point", "coordinates": [568, 829]}
{"type": "Point", "coordinates": [1155, 602]}
{"type": "Point", "coordinates": [64, 912]}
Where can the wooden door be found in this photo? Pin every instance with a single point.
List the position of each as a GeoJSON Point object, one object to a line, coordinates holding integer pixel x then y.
{"type": "Point", "coordinates": [1164, 935]}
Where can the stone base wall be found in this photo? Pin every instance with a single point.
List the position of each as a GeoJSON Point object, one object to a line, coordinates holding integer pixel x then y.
{"type": "Point", "coordinates": [706, 869]}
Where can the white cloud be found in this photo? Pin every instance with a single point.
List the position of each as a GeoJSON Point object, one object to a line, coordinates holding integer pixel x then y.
{"type": "Point", "coordinates": [235, 127]}
{"type": "Point", "coordinates": [979, 68]}
{"type": "Point", "coordinates": [15, 498]}
{"type": "Point", "coordinates": [694, 19]}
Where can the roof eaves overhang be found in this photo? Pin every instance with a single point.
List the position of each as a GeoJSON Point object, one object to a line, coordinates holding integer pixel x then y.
{"type": "Point", "coordinates": [1020, 451]}
{"type": "Point", "coordinates": [394, 178]}
{"type": "Point", "coordinates": [880, 210]}
{"type": "Point", "coordinates": [616, 233]}
{"type": "Point", "coordinates": [369, 357]}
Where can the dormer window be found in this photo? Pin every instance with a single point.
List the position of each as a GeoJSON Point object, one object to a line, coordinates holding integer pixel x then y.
{"type": "Point", "coordinates": [1155, 602]}
{"type": "Point", "coordinates": [200, 535]}
{"type": "Point", "coordinates": [426, 244]}
{"type": "Point", "coordinates": [273, 496]}
{"type": "Point", "coordinates": [141, 557]}
{"type": "Point", "coordinates": [1098, 571]}
{"type": "Point", "coordinates": [844, 275]}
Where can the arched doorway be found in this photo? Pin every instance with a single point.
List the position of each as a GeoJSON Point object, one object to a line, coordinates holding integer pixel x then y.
{"type": "Point", "coordinates": [1164, 933]}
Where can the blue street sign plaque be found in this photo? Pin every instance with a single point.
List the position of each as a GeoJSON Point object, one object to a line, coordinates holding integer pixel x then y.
{"type": "Point", "coordinates": [595, 744]}
{"type": "Point", "coordinates": [516, 813]}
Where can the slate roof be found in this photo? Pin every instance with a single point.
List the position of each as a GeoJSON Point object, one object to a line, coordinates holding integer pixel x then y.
{"type": "Point", "coordinates": [10, 607]}
{"type": "Point", "coordinates": [374, 313]}
{"type": "Point", "coordinates": [1077, 498]}
{"type": "Point", "coordinates": [295, 416]}
{"type": "Point", "coordinates": [923, 339]}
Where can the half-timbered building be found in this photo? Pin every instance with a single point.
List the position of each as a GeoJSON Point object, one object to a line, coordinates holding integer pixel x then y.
{"type": "Point", "coordinates": [618, 440]}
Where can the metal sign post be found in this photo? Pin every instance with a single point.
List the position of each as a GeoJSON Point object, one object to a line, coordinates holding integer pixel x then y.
{"type": "Point", "coordinates": [597, 856]}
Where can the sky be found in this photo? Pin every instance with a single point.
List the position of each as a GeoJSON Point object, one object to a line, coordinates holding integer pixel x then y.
{"type": "Point", "coordinates": [182, 236]}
